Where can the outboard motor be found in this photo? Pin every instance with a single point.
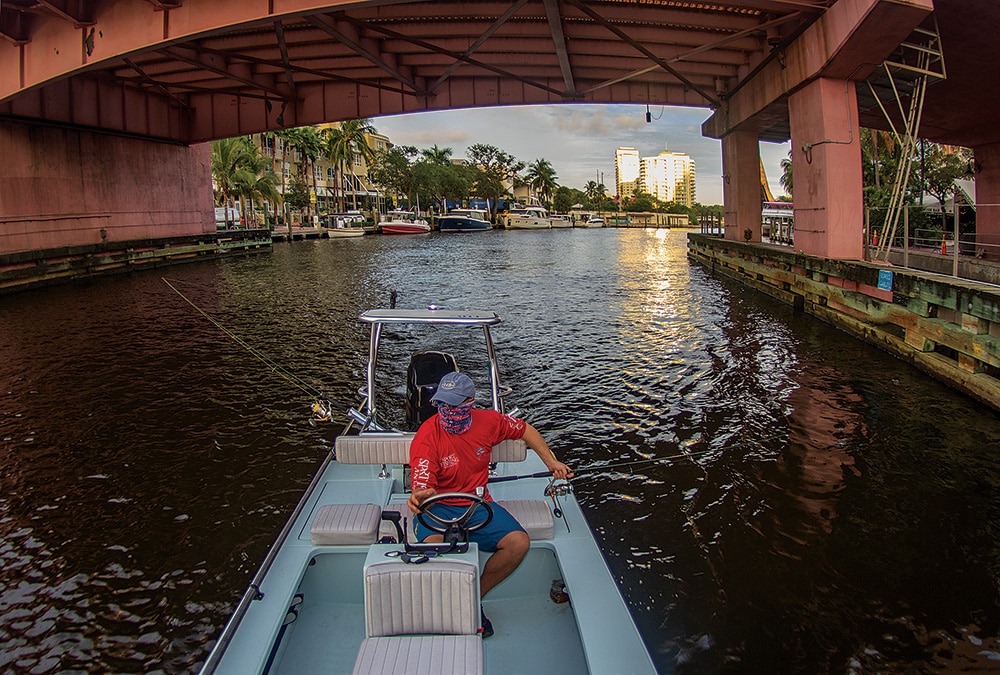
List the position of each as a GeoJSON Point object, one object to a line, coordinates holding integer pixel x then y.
{"type": "Point", "coordinates": [422, 376]}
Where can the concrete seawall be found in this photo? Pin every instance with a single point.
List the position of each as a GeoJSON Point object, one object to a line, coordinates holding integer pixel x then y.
{"type": "Point", "coordinates": [947, 327]}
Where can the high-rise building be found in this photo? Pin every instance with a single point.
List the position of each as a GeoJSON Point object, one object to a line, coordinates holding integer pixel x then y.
{"type": "Point", "coordinates": [670, 176]}
{"type": "Point", "coordinates": [626, 172]}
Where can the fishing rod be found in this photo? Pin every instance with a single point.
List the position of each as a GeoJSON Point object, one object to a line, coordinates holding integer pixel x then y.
{"type": "Point", "coordinates": [587, 470]}
{"type": "Point", "coordinates": [322, 407]}
{"type": "Point", "coordinates": [601, 468]}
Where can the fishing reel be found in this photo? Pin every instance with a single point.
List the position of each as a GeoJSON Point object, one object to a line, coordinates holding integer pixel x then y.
{"type": "Point", "coordinates": [557, 487]}
{"type": "Point", "coordinates": [322, 411]}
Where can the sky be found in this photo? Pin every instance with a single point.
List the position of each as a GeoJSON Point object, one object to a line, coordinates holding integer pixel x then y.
{"type": "Point", "coordinates": [580, 140]}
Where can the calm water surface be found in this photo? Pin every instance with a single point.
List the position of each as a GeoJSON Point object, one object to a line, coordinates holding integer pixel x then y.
{"type": "Point", "coordinates": [816, 506]}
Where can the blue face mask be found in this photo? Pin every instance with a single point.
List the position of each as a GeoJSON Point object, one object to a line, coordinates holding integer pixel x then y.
{"type": "Point", "coordinates": [455, 418]}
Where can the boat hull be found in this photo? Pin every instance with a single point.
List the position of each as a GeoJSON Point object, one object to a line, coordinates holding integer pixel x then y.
{"type": "Point", "coordinates": [344, 232]}
{"type": "Point", "coordinates": [388, 228]}
{"type": "Point", "coordinates": [456, 224]}
{"type": "Point", "coordinates": [527, 224]}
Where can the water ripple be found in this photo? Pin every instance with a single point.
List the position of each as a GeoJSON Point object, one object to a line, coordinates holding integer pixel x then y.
{"type": "Point", "coordinates": [771, 495]}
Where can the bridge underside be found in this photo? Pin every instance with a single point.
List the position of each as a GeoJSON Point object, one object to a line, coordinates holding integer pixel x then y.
{"type": "Point", "coordinates": [186, 71]}
{"type": "Point", "coordinates": [195, 70]}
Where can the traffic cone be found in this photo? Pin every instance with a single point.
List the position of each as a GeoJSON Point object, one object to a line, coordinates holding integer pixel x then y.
{"type": "Point", "coordinates": [944, 247]}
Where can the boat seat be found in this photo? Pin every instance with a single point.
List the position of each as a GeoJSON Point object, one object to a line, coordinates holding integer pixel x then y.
{"type": "Point", "coordinates": [395, 449]}
{"type": "Point", "coordinates": [359, 524]}
{"type": "Point", "coordinates": [534, 515]}
{"type": "Point", "coordinates": [421, 618]}
{"type": "Point", "coordinates": [345, 525]}
{"type": "Point", "coordinates": [425, 655]}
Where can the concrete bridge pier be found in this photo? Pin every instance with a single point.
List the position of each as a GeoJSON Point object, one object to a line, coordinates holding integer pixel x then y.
{"type": "Point", "coordinates": [987, 170]}
{"type": "Point", "coordinates": [65, 187]}
{"type": "Point", "coordinates": [826, 164]}
{"type": "Point", "coordinates": [741, 185]}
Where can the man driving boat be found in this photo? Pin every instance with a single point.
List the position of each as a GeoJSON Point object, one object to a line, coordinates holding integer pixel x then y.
{"type": "Point", "coordinates": [451, 453]}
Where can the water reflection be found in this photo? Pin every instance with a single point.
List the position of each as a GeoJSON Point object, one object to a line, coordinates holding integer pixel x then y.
{"type": "Point", "coordinates": [772, 495]}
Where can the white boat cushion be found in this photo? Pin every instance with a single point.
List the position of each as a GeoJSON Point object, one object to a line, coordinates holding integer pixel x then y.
{"type": "Point", "coordinates": [534, 515]}
{"type": "Point", "coordinates": [431, 655]}
{"type": "Point", "coordinates": [345, 525]}
{"type": "Point", "coordinates": [514, 450]}
{"type": "Point", "coordinates": [436, 597]}
{"type": "Point", "coordinates": [395, 449]}
{"type": "Point", "coordinates": [374, 449]}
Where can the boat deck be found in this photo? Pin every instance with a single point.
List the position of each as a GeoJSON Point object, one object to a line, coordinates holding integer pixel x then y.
{"type": "Point", "coordinates": [592, 633]}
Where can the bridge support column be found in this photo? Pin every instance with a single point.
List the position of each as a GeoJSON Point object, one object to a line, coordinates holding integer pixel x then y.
{"type": "Point", "coordinates": [741, 193]}
{"type": "Point", "coordinates": [67, 187]}
{"type": "Point", "coordinates": [988, 200]}
{"type": "Point", "coordinates": [826, 169]}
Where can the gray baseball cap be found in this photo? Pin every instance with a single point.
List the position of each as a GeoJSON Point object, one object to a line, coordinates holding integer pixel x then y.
{"type": "Point", "coordinates": [454, 388]}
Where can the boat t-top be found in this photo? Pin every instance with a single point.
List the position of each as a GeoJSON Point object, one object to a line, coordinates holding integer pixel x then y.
{"type": "Point", "coordinates": [345, 589]}
{"type": "Point", "coordinates": [404, 222]}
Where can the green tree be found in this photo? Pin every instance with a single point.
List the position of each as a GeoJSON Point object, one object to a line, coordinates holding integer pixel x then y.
{"type": "Point", "coordinates": [297, 194]}
{"type": "Point", "coordinates": [494, 170]}
{"type": "Point", "coordinates": [542, 177]}
{"type": "Point", "coordinates": [344, 144]}
{"type": "Point", "coordinates": [308, 143]}
{"type": "Point", "coordinates": [233, 165]}
{"type": "Point", "coordinates": [940, 166]}
{"type": "Point", "coordinates": [392, 170]}
{"type": "Point", "coordinates": [566, 197]}
{"type": "Point", "coordinates": [786, 173]}
{"type": "Point", "coordinates": [436, 155]}
{"type": "Point", "coordinates": [640, 202]}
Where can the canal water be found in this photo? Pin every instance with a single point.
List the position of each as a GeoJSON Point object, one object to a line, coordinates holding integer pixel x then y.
{"type": "Point", "coordinates": [814, 504]}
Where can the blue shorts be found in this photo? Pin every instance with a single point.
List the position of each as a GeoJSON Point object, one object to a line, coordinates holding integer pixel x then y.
{"type": "Point", "coordinates": [487, 537]}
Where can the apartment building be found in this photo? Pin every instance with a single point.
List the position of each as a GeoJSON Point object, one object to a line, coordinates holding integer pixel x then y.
{"type": "Point", "coordinates": [669, 176]}
{"type": "Point", "coordinates": [328, 190]}
{"type": "Point", "coordinates": [626, 172]}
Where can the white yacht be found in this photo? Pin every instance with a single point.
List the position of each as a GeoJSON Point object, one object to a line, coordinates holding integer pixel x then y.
{"type": "Point", "coordinates": [528, 218]}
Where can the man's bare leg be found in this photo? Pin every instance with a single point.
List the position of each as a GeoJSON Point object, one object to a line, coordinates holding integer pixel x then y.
{"type": "Point", "coordinates": [510, 552]}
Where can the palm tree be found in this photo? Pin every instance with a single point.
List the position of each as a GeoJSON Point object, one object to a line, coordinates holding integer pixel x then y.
{"type": "Point", "coordinates": [285, 137]}
{"type": "Point", "coordinates": [786, 173]}
{"type": "Point", "coordinates": [262, 187]}
{"type": "Point", "coordinates": [542, 178]}
{"type": "Point", "coordinates": [233, 165]}
{"type": "Point", "coordinates": [309, 144]}
{"type": "Point", "coordinates": [346, 142]}
{"type": "Point", "coordinates": [436, 155]}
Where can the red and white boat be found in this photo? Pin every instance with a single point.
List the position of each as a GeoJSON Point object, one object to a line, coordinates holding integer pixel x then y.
{"type": "Point", "coordinates": [404, 222]}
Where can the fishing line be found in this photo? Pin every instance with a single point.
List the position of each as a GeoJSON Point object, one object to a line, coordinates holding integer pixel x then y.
{"type": "Point", "coordinates": [261, 356]}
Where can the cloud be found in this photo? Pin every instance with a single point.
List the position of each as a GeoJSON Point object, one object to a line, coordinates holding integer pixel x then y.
{"type": "Point", "coordinates": [443, 137]}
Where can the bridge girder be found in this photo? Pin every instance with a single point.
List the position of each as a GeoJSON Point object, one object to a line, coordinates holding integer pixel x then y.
{"type": "Point", "coordinates": [194, 70]}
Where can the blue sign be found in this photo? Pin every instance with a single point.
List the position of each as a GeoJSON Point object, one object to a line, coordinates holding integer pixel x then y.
{"type": "Point", "coordinates": [885, 280]}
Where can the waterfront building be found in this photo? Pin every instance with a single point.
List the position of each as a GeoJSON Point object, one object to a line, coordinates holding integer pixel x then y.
{"type": "Point", "coordinates": [330, 191]}
{"type": "Point", "coordinates": [669, 177]}
{"type": "Point", "coordinates": [626, 172]}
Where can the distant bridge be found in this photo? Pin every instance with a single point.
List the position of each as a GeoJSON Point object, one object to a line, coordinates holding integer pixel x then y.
{"type": "Point", "coordinates": [100, 100]}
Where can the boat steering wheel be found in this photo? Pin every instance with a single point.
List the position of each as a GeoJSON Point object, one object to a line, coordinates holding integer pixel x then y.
{"type": "Point", "coordinates": [443, 526]}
